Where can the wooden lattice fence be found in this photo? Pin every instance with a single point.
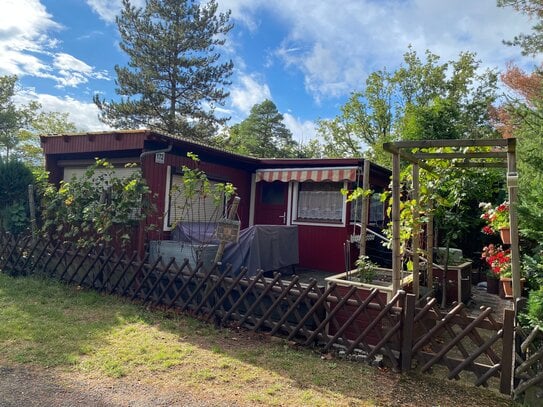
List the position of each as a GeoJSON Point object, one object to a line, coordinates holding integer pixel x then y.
{"type": "Point", "coordinates": [304, 313]}
{"type": "Point", "coordinates": [405, 335]}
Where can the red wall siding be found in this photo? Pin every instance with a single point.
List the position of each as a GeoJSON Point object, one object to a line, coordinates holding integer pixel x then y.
{"type": "Point", "coordinates": [156, 176]}
{"type": "Point", "coordinates": [93, 142]}
{"type": "Point", "coordinates": [321, 247]}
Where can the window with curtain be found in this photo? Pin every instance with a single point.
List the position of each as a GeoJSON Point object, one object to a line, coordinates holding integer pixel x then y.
{"type": "Point", "coordinates": [320, 201]}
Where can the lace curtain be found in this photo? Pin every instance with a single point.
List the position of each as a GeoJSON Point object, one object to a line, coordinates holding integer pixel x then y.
{"type": "Point", "coordinates": [320, 205]}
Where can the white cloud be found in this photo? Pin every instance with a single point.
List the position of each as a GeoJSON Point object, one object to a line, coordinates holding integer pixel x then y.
{"type": "Point", "coordinates": [73, 72]}
{"type": "Point", "coordinates": [23, 32]}
{"type": "Point", "coordinates": [336, 45]}
{"type": "Point", "coordinates": [248, 92]}
{"type": "Point", "coordinates": [109, 9]}
{"type": "Point", "coordinates": [83, 114]}
{"type": "Point", "coordinates": [302, 130]}
{"type": "Point", "coordinates": [26, 47]}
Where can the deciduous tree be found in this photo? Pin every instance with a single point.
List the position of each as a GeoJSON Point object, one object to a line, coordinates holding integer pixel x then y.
{"type": "Point", "coordinates": [423, 99]}
{"type": "Point", "coordinates": [12, 117]}
{"type": "Point", "coordinates": [29, 149]}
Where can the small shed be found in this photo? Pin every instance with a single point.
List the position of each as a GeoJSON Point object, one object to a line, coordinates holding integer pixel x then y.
{"type": "Point", "coordinates": [295, 192]}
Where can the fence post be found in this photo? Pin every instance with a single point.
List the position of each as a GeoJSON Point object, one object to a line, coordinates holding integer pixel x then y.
{"type": "Point", "coordinates": [508, 352]}
{"type": "Point", "coordinates": [406, 345]}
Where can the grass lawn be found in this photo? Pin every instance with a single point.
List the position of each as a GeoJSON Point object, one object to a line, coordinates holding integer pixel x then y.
{"type": "Point", "coordinates": [48, 325]}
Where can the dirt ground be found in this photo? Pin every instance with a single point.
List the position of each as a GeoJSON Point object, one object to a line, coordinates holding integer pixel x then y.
{"type": "Point", "coordinates": [27, 386]}
{"type": "Point", "coordinates": [24, 386]}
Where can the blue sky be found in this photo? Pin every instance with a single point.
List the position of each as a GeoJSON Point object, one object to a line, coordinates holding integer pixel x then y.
{"type": "Point", "coordinates": [305, 55]}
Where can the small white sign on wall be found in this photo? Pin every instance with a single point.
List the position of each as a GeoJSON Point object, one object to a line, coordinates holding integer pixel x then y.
{"type": "Point", "coordinates": [159, 158]}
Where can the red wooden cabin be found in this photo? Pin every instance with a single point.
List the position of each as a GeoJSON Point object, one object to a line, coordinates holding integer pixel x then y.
{"type": "Point", "coordinates": [302, 192]}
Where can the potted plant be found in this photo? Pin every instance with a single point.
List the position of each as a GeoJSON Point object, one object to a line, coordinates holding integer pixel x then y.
{"type": "Point", "coordinates": [497, 219]}
{"type": "Point", "coordinates": [492, 274]}
{"type": "Point", "coordinates": [499, 261]}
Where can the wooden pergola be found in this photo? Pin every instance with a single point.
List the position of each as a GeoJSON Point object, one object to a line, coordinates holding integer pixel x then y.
{"type": "Point", "coordinates": [502, 154]}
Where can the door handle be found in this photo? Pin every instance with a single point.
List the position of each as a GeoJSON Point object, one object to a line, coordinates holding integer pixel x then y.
{"type": "Point", "coordinates": [284, 217]}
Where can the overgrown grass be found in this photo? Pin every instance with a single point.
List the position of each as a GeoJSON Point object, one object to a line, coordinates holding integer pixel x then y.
{"type": "Point", "coordinates": [46, 323]}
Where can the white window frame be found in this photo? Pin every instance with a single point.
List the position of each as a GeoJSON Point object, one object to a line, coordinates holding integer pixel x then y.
{"type": "Point", "coordinates": [169, 178]}
{"type": "Point", "coordinates": [294, 211]}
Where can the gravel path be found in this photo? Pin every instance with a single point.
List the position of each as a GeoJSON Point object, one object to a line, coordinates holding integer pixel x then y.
{"type": "Point", "coordinates": [23, 386]}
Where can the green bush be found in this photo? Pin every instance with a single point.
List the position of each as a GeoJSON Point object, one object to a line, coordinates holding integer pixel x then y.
{"type": "Point", "coordinates": [14, 218]}
{"type": "Point", "coordinates": [534, 308]}
{"type": "Point", "coordinates": [14, 180]}
{"type": "Point", "coordinates": [532, 266]}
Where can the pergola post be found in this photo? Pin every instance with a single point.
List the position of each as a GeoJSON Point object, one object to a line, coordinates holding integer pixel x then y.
{"type": "Point", "coordinates": [365, 207]}
{"type": "Point", "coordinates": [396, 254]}
{"type": "Point", "coordinates": [512, 186]}
{"type": "Point", "coordinates": [430, 249]}
{"type": "Point", "coordinates": [416, 232]}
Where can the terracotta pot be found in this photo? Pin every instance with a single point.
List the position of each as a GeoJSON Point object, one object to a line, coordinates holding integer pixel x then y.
{"type": "Point", "coordinates": [505, 235]}
{"type": "Point", "coordinates": [507, 287]}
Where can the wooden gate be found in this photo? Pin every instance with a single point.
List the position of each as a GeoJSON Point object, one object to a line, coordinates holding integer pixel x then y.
{"type": "Point", "coordinates": [528, 383]}
{"type": "Point", "coordinates": [480, 345]}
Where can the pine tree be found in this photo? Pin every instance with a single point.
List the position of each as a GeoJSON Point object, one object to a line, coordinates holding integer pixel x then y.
{"type": "Point", "coordinates": [174, 78]}
{"type": "Point", "coordinates": [262, 134]}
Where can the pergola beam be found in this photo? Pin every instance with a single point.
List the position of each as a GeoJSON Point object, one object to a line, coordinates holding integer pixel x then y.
{"type": "Point", "coordinates": [450, 143]}
{"type": "Point", "coordinates": [450, 156]}
{"type": "Point", "coordinates": [471, 164]}
{"type": "Point", "coordinates": [506, 159]}
{"type": "Point", "coordinates": [512, 186]}
{"type": "Point", "coordinates": [391, 148]}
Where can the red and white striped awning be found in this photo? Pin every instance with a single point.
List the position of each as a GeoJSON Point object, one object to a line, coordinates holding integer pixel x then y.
{"type": "Point", "coordinates": [332, 174]}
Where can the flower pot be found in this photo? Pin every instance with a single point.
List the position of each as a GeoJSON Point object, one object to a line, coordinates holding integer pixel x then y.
{"type": "Point", "coordinates": [507, 287]}
{"type": "Point", "coordinates": [505, 235]}
{"type": "Point", "coordinates": [492, 286]}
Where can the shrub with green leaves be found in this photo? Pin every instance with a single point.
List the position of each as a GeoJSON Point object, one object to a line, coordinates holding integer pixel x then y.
{"type": "Point", "coordinates": [365, 269]}
{"type": "Point", "coordinates": [98, 207]}
{"type": "Point", "coordinates": [14, 180]}
{"type": "Point", "coordinates": [534, 308]}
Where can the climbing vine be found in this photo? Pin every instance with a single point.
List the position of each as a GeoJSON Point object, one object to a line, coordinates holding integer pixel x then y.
{"type": "Point", "coordinates": [98, 207]}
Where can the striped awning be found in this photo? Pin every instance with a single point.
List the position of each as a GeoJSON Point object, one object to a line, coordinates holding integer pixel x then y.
{"type": "Point", "coordinates": [332, 174]}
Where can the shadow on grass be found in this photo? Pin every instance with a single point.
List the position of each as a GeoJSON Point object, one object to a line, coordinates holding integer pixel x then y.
{"type": "Point", "coordinates": [50, 324]}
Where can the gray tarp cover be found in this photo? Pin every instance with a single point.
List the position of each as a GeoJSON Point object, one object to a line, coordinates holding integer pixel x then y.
{"type": "Point", "coordinates": [263, 247]}
{"type": "Point", "coordinates": [260, 247]}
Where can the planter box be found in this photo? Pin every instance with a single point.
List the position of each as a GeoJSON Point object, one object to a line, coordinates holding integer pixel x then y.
{"type": "Point", "coordinates": [181, 251]}
{"type": "Point", "coordinates": [458, 281]}
{"type": "Point", "coordinates": [385, 287]}
{"type": "Point", "coordinates": [364, 318]}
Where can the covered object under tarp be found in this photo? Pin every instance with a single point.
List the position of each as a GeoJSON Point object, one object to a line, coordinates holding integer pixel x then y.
{"type": "Point", "coordinates": [260, 247]}
{"type": "Point", "coordinates": [263, 247]}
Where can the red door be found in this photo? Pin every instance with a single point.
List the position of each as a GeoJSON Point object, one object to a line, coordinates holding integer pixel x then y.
{"type": "Point", "coordinates": [271, 203]}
